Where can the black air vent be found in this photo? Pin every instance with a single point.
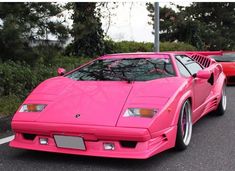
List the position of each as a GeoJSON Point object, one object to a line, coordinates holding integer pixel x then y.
{"type": "Point", "coordinates": [29, 136]}
{"type": "Point", "coordinates": [128, 144]}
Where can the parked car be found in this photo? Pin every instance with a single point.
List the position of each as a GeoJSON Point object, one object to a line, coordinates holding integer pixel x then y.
{"type": "Point", "coordinates": [227, 60]}
{"type": "Point", "coordinates": [122, 105]}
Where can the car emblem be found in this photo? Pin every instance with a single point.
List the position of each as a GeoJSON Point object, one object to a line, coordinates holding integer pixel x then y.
{"type": "Point", "coordinates": [77, 116]}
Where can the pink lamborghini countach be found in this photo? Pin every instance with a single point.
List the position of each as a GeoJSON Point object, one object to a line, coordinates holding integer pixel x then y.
{"type": "Point", "coordinates": [122, 105]}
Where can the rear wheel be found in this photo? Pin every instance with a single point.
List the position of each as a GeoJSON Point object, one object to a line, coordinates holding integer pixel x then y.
{"type": "Point", "coordinates": [184, 130]}
{"type": "Point", "coordinates": [223, 103]}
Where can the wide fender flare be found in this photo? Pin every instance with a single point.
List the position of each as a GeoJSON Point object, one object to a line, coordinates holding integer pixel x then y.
{"type": "Point", "coordinates": [184, 97]}
{"type": "Point", "coordinates": [221, 81]}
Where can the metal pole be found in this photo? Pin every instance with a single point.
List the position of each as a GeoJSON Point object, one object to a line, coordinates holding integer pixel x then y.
{"type": "Point", "coordinates": [156, 26]}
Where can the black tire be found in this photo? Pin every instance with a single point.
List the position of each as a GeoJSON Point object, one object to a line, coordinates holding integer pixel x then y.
{"type": "Point", "coordinates": [222, 104]}
{"type": "Point", "coordinates": [184, 126]}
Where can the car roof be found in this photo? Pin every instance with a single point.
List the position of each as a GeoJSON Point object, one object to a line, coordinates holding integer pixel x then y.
{"type": "Point", "coordinates": [155, 54]}
{"type": "Point", "coordinates": [139, 55]}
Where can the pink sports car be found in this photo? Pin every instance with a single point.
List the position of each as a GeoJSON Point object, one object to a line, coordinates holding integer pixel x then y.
{"type": "Point", "coordinates": [122, 105]}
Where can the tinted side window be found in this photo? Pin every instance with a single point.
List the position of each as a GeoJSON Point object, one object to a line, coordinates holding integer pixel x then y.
{"type": "Point", "coordinates": [182, 69]}
{"type": "Point", "coordinates": [190, 64]}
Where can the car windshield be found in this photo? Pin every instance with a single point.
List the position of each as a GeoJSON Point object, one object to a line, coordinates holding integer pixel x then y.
{"type": "Point", "coordinates": [125, 69]}
{"type": "Point", "coordinates": [225, 58]}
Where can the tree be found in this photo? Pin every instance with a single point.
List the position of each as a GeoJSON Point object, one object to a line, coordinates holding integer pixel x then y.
{"type": "Point", "coordinates": [87, 30]}
{"type": "Point", "coordinates": [218, 21]}
{"type": "Point", "coordinates": [175, 26]}
{"type": "Point", "coordinates": [208, 26]}
{"type": "Point", "coordinates": [22, 22]}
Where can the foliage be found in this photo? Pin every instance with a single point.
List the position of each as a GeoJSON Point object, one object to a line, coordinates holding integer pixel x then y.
{"type": "Point", "coordinates": [217, 21]}
{"type": "Point", "coordinates": [179, 46]}
{"type": "Point", "coordinates": [207, 26]}
{"type": "Point", "coordinates": [131, 46]}
{"type": "Point", "coordinates": [21, 23]}
{"type": "Point", "coordinates": [87, 30]}
{"type": "Point", "coordinates": [9, 104]}
{"type": "Point", "coordinates": [18, 80]}
{"type": "Point", "coordinates": [66, 62]}
{"type": "Point", "coordinates": [167, 20]}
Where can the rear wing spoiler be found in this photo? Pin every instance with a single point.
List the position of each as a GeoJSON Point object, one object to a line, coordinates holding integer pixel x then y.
{"type": "Point", "coordinates": [203, 53]}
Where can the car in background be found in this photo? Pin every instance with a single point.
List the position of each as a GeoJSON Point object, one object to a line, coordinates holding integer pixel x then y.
{"type": "Point", "coordinates": [227, 60]}
{"type": "Point", "coordinates": [131, 105]}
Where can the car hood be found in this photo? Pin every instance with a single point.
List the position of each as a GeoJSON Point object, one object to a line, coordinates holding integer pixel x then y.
{"type": "Point", "coordinates": [98, 103]}
{"type": "Point", "coordinates": [78, 102]}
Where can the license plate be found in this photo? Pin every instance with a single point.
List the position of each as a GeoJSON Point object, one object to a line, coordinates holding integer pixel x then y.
{"type": "Point", "coordinates": [69, 142]}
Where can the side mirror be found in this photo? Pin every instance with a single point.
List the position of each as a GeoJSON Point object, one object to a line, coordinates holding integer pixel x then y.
{"type": "Point", "coordinates": [204, 74]}
{"type": "Point", "coordinates": [61, 71]}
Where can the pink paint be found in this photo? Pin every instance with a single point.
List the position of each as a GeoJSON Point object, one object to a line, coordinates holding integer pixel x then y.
{"type": "Point", "coordinates": [204, 74]}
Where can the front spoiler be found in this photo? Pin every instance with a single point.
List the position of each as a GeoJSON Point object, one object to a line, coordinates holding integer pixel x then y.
{"type": "Point", "coordinates": [94, 138]}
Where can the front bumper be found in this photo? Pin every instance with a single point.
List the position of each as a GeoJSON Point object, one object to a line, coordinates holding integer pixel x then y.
{"type": "Point", "coordinates": [94, 137]}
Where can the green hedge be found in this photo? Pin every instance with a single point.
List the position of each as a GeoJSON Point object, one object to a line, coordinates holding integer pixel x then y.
{"type": "Point", "coordinates": [179, 46]}
{"type": "Point", "coordinates": [9, 104]}
{"type": "Point", "coordinates": [131, 46]}
{"type": "Point", "coordinates": [16, 78]}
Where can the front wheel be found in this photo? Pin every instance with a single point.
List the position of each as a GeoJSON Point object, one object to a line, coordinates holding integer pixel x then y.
{"type": "Point", "coordinates": [223, 103]}
{"type": "Point", "coordinates": [184, 130]}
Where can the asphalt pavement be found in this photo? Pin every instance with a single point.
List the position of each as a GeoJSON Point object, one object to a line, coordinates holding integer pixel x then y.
{"type": "Point", "coordinates": [212, 148]}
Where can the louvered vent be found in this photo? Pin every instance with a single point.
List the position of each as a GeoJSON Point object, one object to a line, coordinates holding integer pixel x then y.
{"type": "Point", "coordinates": [203, 60]}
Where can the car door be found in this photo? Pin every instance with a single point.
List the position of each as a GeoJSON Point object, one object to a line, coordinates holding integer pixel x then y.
{"type": "Point", "coordinates": [201, 87]}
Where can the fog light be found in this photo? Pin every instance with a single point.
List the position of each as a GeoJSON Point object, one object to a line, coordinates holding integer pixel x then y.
{"type": "Point", "coordinates": [109, 146]}
{"type": "Point", "coordinates": [43, 141]}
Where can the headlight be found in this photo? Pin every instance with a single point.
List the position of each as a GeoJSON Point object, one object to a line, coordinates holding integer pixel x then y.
{"type": "Point", "coordinates": [32, 108]}
{"type": "Point", "coordinates": [140, 112]}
